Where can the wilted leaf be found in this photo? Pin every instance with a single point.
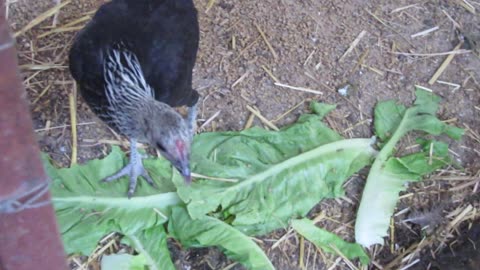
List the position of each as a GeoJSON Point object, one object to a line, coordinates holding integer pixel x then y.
{"type": "Point", "coordinates": [211, 232]}
{"type": "Point", "coordinates": [281, 175]}
{"type": "Point", "coordinates": [152, 244]}
{"type": "Point", "coordinates": [325, 240]}
{"type": "Point", "coordinates": [88, 209]}
{"type": "Point", "coordinates": [389, 175]}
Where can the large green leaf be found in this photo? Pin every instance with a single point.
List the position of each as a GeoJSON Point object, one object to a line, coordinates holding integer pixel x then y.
{"type": "Point", "coordinates": [88, 209]}
{"type": "Point", "coordinates": [152, 244]}
{"type": "Point", "coordinates": [325, 240]}
{"type": "Point", "coordinates": [389, 175]}
{"type": "Point", "coordinates": [240, 154]}
{"type": "Point", "coordinates": [281, 175]}
{"type": "Point", "coordinates": [268, 199]}
{"type": "Point", "coordinates": [209, 231]}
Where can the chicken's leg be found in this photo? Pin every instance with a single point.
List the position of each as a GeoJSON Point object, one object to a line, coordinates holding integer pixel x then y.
{"type": "Point", "coordinates": [133, 169]}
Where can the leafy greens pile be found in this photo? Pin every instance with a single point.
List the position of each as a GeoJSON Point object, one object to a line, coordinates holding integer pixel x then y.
{"type": "Point", "coordinates": [389, 174]}
{"type": "Point", "coordinates": [275, 180]}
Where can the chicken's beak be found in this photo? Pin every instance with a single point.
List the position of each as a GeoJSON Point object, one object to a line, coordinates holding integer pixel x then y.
{"type": "Point", "coordinates": [183, 167]}
{"type": "Point", "coordinates": [187, 176]}
{"type": "Point", "coordinates": [183, 162]}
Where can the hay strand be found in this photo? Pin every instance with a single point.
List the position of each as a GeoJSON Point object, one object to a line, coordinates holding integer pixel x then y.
{"type": "Point", "coordinates": [444, 65]}
{"type": "Point", "coordinates": [42, 17]}
{"type": "Point", "coordinates": [266, 41]}
{"type": "Point", "coordinates": [73, 121]}
{"type": "Point", "coordinates": [262, 118]}
{"type": "Point", "coordinates": [299, 88]}
{"type": "Point", "coordinates": [353, 45]}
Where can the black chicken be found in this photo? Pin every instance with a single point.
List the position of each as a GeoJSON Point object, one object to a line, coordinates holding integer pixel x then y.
{"type": "Point", "coordinates": [133, 63]}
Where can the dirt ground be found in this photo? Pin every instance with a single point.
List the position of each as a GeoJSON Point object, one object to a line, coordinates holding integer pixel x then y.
{"type": "Point", "coordinates": [401, 47]}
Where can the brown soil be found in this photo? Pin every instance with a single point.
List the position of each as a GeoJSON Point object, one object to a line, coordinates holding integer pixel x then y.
{"type": "Point", "coordinates": [309, 38]}
{"type": "Point", "coordinates": [463, 254]}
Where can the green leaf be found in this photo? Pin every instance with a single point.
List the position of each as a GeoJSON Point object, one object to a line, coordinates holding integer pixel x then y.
{"type": "Point", "coordinates": [152, 244]}
{"type": "Point", "coordinates": [422, 117]}
{"type": "Point", "coordinates": [82, 202]}
{"type": "Point", "coordinates": [325, 240]}
{"type": "Point", "coordinates": [389, 175]}
{"type": "Point", "coordinates": [412, 167]}
{"type": "Point", "coordinates": [208, 231]}
{"type": "Point", "coordinates": [322, 109]}
{"type": "Point", "coordinates": [124, 261]}
{"type": "Point", "coordinates": [281, 175]}
{"type": "Point", "coordinates": [388, 115]}
{"type": "Point", "coordinates": [238, 154]}
{"type": "Point", "coordinates": [426, 102]}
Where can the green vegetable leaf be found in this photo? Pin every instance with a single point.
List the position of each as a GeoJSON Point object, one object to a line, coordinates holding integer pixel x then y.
{"type": "Point", "coordinates": [152, 245]}
{"type": "Point", "coordinates": [209, 231]}
{"type": "Point", "coordinates": [268, 199]}
{"type": "Point", "coordinates": [274, 177]}
{"type": "Point", "coordinates": [389, 175]}
{"type": "Point", "coordinates": [325, 240]}
{"type": "Point", "coordinates": [124, 261]}
{"type": "Point", "coordinates": [239, 154]}
{"type": "Point", "coordinates": [412, 167]}
{"type": "Point", "coordinates": [322, 109]}
{"type": "Point", "coordinates": [82, 202]}
{"type": "Point", "coordinates": [388, 115]}
{"type": "Point", "coordinates": [281, 175]}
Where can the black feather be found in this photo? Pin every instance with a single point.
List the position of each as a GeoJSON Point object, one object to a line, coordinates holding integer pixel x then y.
{"type": "Point", "coordinates": [163, 35]}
